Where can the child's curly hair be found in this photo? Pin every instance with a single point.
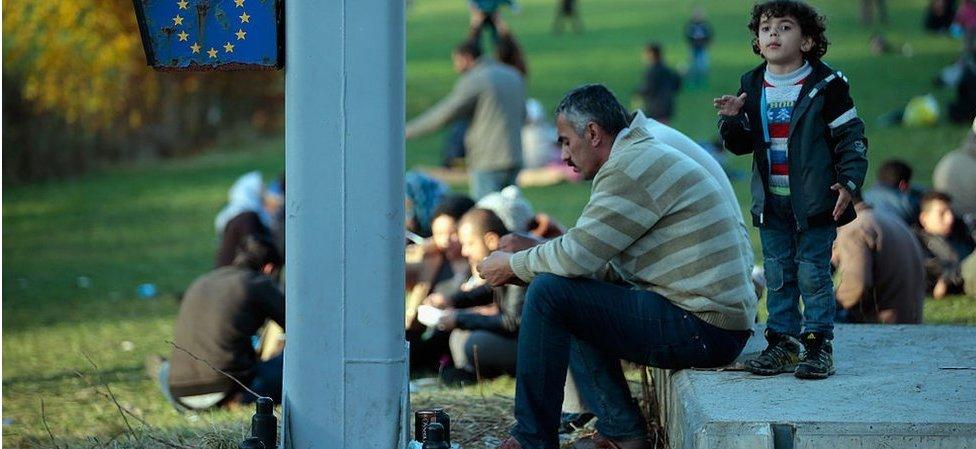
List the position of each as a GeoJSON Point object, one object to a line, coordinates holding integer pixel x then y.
{"type": "Point", "coordinates": [811, 23]}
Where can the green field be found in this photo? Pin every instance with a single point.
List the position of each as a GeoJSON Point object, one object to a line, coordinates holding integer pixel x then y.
{"type": "Point", "coordinates": [152, 223]}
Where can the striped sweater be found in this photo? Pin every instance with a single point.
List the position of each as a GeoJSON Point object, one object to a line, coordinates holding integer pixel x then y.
{"type": "Point", "coordinates": [657, 221]}
{"type": "Point", "coordinates": [781, 93]}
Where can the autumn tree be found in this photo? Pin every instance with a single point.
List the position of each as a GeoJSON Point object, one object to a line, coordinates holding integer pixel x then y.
{"type": "Point", "coordinates": [77, 90]}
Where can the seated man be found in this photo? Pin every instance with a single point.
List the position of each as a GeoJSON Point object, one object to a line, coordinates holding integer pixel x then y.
{"type": "Point", "coordinates": [880, 269]}
{"type": "Point", "coordinates": [679, 141]}
{"type": "Point", "coordinates": [220, 313]}
{"type": "Point", "coordinates": [893, 192]}
{"type": "Point", "coordinates": [653, 272]}
{"type": "Point", "coordinates": [482, 342]}
{"type": "Point", "coordinates": [517, 214]}
{"type": "Point", "coordinates": [945, 246]}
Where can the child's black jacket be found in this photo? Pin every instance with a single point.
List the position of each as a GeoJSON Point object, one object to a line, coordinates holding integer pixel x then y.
{"type": "Point", "coordinates": [826, 145]}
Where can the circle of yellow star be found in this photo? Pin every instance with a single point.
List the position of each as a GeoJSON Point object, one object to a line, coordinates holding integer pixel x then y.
{"type": "Point", "coordinates": [240, 34]}
{"type": "Point", "coordinates": [239, 3]}
{"type": "Point", "coordinates": [228, 47]}
{"type": "Point", "coordinates": [183, 35]}
{"type": "Point", "coordinates": [245, 18]}
{"type": "Point", "coordinates": [177, 20]}
{"type": "Point", "coordinates": [212, 53]}
{"type": "Point", "coordinates": [195, 48]}
{"type": "Point", "coordinates": [182, 4]}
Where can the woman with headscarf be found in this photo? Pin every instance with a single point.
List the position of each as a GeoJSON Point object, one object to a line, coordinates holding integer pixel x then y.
{"type": "Point", "coordinates": [423, 194]}
{"type": "Point", "coordinates": [243, 215]}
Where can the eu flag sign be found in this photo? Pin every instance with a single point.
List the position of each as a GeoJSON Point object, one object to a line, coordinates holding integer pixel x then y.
{"type": "Point", "coordinates": [204, 35]}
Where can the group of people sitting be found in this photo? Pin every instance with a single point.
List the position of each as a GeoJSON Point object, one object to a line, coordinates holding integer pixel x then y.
{"type": "Point", "coordinates": [907, 243]}
{"type": "Point", "coordinates": [888, 265]}
{"type": "Point", "coordinates": [457, 325]}
{"type": "Point", "coordinates": [941, 219]}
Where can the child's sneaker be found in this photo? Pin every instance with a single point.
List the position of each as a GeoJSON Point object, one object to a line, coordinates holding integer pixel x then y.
{"type": "Point", "coordinates": [780, 356]}
{"type": "Point", "coordinates": [818, 358]}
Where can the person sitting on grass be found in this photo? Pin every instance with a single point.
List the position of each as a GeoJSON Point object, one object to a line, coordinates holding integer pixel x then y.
{"type": "Point", "coordinates": [946, 246]}
{"type": "Point", "coordinates": [879, 266]}
{"type": "Point", "coordinates": [953, 175]}
{"type": "Point", "coordinates": [893, 191]}
{"type": "Point", "coordinates": [249, 210]}
{"type": "Point", "coordinates": [422, 195]}
{"type": "Point", "coordinates": [483, 339]}
{"type": "Point", "coordinates": [518, 215]}
{"type": "Point", "coordinates": [219, 314]}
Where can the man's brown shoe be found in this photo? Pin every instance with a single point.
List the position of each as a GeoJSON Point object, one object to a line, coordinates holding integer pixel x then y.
{"type": "Point", "coordinates": [597, 441]}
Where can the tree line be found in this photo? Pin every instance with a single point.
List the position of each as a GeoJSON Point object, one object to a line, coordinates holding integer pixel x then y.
{"type": "Point", "coordinates": [77, 94]}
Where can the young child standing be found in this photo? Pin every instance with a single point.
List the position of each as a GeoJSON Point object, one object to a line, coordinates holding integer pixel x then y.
{"type": "Point", "coordinates": [796, 116]}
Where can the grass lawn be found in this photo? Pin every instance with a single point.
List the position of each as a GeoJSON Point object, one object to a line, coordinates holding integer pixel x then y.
{"type": "Point", "coordinates": [152, 223]}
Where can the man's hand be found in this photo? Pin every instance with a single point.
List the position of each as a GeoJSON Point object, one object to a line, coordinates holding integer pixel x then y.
{"type": "Point", "coordinates": [517, 241]}
{"type": "Point", "coordinates": [448, 321]}
{"type": "Point", "coordinates": [495, 269]}
{"type": "Point", "coordinates": [729, 104]}
{"type": "Point", "coordinates": [843, 200]}
{"type": "Point", "coordinates": [436, 300]}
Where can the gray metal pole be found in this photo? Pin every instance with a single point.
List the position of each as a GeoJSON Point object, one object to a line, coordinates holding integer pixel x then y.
{"type": "Point", "coordinates": [344, 381]}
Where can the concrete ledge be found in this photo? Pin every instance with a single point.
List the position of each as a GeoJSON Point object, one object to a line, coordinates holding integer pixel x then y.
{"type": "Point", "coordinates": [896, 387]}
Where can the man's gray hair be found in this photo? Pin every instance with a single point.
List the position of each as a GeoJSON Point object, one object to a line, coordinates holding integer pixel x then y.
{"type": "Point", "coordinates": [593, 103]}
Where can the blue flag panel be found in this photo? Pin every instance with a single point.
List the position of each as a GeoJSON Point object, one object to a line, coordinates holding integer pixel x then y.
{"type": "Point", "coordinates": [211, 34]}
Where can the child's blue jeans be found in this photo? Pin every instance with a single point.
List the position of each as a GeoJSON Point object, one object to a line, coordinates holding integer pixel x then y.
{"type": "Point", "coordinates": [797, 264]}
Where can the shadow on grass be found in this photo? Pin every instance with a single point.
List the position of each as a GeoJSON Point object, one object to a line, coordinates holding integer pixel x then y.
{"type": "Point", "coordinates": [217, 436]}
{"type": "Point", "coordinates": [25, 316]}
{"type": "Point", "coordinates": [123, 374]}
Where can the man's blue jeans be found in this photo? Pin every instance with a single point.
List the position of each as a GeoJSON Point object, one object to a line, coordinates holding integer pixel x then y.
{"type": "Point", "coordinates": [590, 326]}
{"type": "Point", "coordinates": [268, 379]}
{"type": "Point", "coordinates": [483, 182]}
{"type": "Point", "coordinates": [797, 264]}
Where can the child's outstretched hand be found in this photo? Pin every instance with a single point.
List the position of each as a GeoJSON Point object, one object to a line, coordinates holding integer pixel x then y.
{"type": "Point", "coordinates": [729, 104]}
